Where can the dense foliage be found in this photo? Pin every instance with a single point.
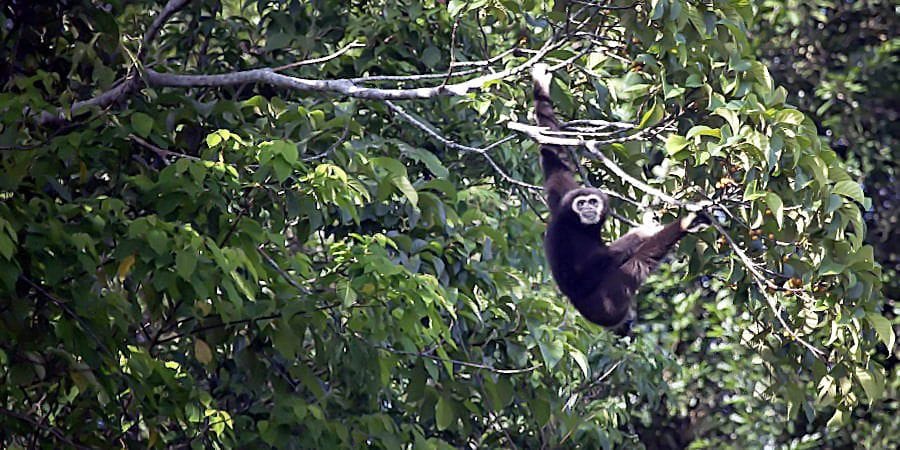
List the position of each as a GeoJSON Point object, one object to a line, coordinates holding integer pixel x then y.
{"type": "Point", "coordinates": [839, 62]}
{"type": "Point", "coordinates": [266, 259]}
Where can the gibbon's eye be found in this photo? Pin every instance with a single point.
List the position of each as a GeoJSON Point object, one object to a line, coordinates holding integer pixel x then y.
{"type": "Point", "coordinates": [593, 201]}
{"type": "Point", "coordinates": [579, 203]}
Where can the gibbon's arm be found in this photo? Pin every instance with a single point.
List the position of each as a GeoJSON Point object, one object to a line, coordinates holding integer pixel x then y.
{"type": "Point", "coordinates": [624, 247]}
{"type": "Point", "coordinates": [558, 174]}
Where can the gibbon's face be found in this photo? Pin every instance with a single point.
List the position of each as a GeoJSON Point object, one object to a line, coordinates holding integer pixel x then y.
{"type": "Point", "coordinates": [590, 207]}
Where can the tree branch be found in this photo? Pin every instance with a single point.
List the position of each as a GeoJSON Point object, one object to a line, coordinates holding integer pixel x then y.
{"type": "Point", "coordinates": [343, 86]}
{"type": "Point", "coordinates": [125, 86]}
{"type": "Point", "coordinates": [168, 11]}
{"type": "Point", "coordinates": [462, 363]}
{"type": "Point", "coordinates": [762, 283]}
{"type": "Point", "coordinates": [287, 277]}
{"type": "Point", "coordinates": [161, 152]}
{"type": "Point", "coordinates": [429, 130]}
{"type": "Point", "coordinates": [344, 49]}
{"type": "Point", "coordinates": [55, 432]}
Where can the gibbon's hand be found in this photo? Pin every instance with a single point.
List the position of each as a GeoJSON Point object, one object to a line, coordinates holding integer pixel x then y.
{"type": "Point", "coordinates": [695, 222]}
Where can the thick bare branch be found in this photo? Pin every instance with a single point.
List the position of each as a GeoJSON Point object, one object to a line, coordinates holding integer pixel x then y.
{"type": "Point", "coordinates": [344, 86]}
{"type": "Point", "coordinates": [414, 77]}
{"type": "Point", "coordinates": [596, 123]}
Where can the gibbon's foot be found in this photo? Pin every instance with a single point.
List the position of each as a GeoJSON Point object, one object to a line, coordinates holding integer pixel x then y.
{"type": "Point", "coordinates": [694, 222]}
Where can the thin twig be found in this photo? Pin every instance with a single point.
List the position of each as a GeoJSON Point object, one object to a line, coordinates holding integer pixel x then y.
{"type": "Point", "coordinates": [414, 77]}
{"type": "Point", "coordinates": [286, 276]}
{"type": "Point", "coordinates": [599, 379]}
{"type": "Point", "coordinates": [63, 306]}
{"type": "Point", "coordinates": [597, 123]}
{"type": "Point", "coordinates": [161, 152]}
{"type": "Point", "coordinates": [587, 49]}
{"type": "Point", "coordinates": [321, 59]}
{"type": "Point", "coordinates": [762, 283]}
{"type": "Point", "coordinates": [593, 147]}
{"type": "Point", "coordinates": [604, 7]}
{"type": "Point", "coordinates": [464, 148]}
{"type": "Point", "coordinates": [487, 62]}
{"type": "Point", "coordinates": [334, 145]}
{"type": "Point", "coordinates": [463, 363]}
{"type": "Point", "coordinates": [452, 50]}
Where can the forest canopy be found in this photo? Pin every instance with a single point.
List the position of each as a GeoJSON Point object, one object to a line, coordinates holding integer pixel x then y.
{"type": "Point", "coordinates": [250, 223]}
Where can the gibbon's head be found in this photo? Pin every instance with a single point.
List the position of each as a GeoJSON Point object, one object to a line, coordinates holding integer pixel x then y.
{"type": "Point", "coordinates": [589, 205]}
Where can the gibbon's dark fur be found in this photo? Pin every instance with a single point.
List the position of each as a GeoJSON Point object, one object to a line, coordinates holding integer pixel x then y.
{"type": "Point", "coordinates": [599, 279]}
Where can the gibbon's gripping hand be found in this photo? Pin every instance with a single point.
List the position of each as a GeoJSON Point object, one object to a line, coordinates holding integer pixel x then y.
{"type": "Point", "coordinates": [694, 222]}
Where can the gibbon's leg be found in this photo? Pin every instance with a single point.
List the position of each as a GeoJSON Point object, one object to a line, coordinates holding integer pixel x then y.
{"type": "Point", "coordinates": [610, 303]}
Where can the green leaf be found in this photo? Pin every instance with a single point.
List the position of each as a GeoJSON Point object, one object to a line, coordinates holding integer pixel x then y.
{"type": "Point", "coordinates": [850, 189]}
{"type": "Point", "coordinates": [675, 143]}
{"type": "Point", "coordinates": [789, 116]}
{"type": "Point", "coordinates": [751, 192]}
{"type": "Point", "coordinates": [213, 139]}
{"type": "Point", "coordinates": [884, 329]}
{"type": "Point", "coordinates": [7, 247]}
{"type": "Point", "coordinates": [427, 158]}
{"type": "Point", "coordinates": [652, 116]}
{"type": "Point", "coordinates": [457, 6]}
{"type": "Point", "coordinates": [402, 183]}
{"type": "Point", "coordinates": [202, 351]}
{"type": "Point", "coordinates": [703, 130]}
{"type": "Point", "coordinates": [185, 263]}
{"type": "Point", "coordinates": [431, 57]}
{"type": "Point", "coordinates": [552, 351]}
{"type": "Point", "coordinates": [444, 414]}
{"type": "Point", "coordinates": [831, 267]}
{"type": "Point", "coordinates": [873, 385]}
{"type": "Point", "coordinates": [142, 124]}
{"type": "Point", "coordinates": [836, 420]}
{"type": "Point", "coordinates": [287, 150]}
{"type": "Point", "coordinates": [345, 291]}
{"type": "Point", "coordinates": [158, 241]}
{"type": "Point", "coordinates": [580, 359]}
{"type": "Point", "coordinates": [282, 169]}
{"type": "Point", "coordinates": [777, 206]}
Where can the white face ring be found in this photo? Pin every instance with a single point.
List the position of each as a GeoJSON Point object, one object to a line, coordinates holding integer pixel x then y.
{"type": "Point", "coordinates": [588, 208]}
